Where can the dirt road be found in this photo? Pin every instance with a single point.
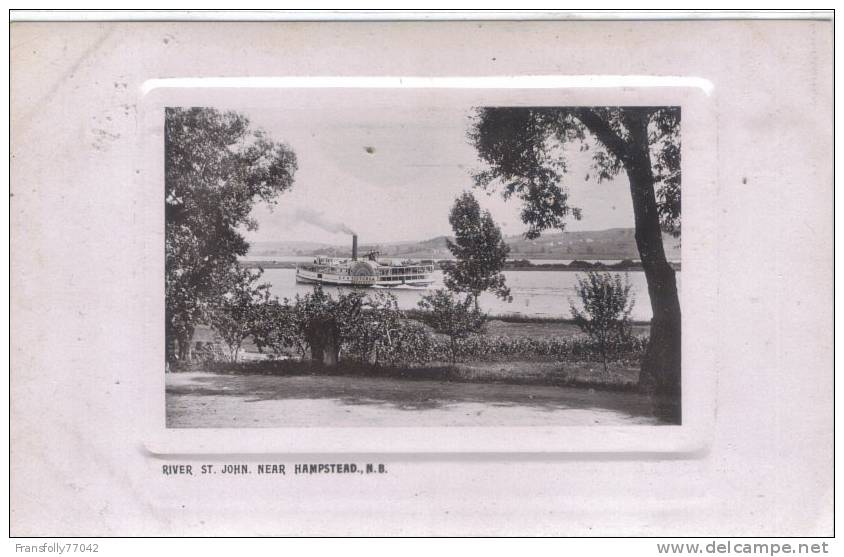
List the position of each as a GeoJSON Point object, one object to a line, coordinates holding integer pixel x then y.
{"type": "Point", "coordinates": [211, 400]}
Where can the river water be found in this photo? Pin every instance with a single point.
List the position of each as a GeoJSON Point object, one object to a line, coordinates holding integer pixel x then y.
{"type": "Point", "coordinates": [535, 293]}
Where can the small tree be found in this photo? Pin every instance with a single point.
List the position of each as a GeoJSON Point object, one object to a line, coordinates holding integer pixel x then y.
{"type": "Point", "coordinates": [318, 312]}
{"type": "Point", "coordinates": [234, 315]}
{"type": "Point", "coordinates": [479, 249]}
{"type": "Point", "coordinates": [605, 313]}
{"type": "Point", "coordinates": [325, 323]}
{"type": "Point", "coordinates": [452, 316]}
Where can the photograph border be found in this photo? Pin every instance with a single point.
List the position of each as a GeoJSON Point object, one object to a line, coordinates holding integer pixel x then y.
{"type": "Point", "coordinates": [695, 96]}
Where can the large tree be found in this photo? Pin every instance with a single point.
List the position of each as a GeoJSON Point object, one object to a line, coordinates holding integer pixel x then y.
{"type": "Point", "coordinates": [526, 152]}
{"type": "Point", "coordinates": [479, 251]}
{"type": "Point", "coordinates": [217, 166]}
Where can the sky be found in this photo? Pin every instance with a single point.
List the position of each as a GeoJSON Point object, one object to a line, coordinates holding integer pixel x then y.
{"type": "Point", "coordinates": [391, 173]}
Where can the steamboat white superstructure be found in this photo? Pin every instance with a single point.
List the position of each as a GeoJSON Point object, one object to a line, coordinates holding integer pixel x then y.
{"type": "Point", "coordinates": [367, 271]}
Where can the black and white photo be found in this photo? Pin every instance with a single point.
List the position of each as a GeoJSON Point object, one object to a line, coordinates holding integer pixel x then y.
{"type": "Point", "coordinates": [413, 265]}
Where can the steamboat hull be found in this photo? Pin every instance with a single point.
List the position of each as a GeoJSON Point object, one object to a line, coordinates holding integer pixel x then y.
{"type": "Point", "coordinates": [326, 277]}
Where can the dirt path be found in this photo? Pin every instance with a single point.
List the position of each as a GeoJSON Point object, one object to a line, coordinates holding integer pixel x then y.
{"type": "Point", "coordinates": [211, 400]}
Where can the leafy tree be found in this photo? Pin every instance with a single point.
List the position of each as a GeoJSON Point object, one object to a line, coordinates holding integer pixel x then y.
{"type": "Point", "coordinates": [452, 316]}
{"type": "Point", "coordinates": [323, 324]}
{"type": "Point", "coordinates": [216, 168]}
{"type": "Point", "coordinates": [605, 313]}
{"type": "Point", "coordinates": [480, 251]}
{"type": "Point", "coordinates": [525, 150]}
{"type": "Point", "coordinates": [326, 322]}
{"type": "Point", "coordinates": [235, 314]}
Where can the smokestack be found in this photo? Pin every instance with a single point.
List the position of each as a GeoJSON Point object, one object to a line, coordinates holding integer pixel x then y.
{"type": "Point", "coordinates": [354, 247]}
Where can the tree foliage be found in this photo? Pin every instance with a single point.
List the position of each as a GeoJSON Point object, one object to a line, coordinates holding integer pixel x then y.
{"type": "Point", "coordinates": [479, 249]}
{"type": "Point", "coordinates": [278, 328]}
{"type": "Point", "coordinates": [604, 311]}
{"type": "Point", "coordinates": [375, 328]}
{"type": "Point", "coordinates": [216, 168]}
{"type": "Point", "coordinates": [525, 148]}
{"type": "Point", "coordinates": [326, 322]}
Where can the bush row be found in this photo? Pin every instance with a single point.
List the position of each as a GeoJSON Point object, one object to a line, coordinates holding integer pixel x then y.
{"type": "Point", "coordinates": [415, 344]}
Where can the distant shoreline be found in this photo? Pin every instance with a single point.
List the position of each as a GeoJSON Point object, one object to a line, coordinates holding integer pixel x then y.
{"type": "Point", "coordinates": [576, 265]}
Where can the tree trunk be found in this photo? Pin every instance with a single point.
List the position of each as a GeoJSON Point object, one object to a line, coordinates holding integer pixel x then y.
{"type": "Point", "coordinates": [660, 374]}
{"type": "Point", "coordinates": [185, 340]}
{"type": "Point", "coordinates": [316, 353]}
{"type": "Point", "coordinates": [322, 337]}
{"type": "Point", "coordinates": [331, 351]}
{"type": "Point", "coordinates": [603, 346]}
{"type": "Point", "coordinates": [170, 344]}
{"type": "Point", "coordinates": [316, 346]}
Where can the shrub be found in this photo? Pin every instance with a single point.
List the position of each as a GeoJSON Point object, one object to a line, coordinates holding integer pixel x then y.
{"type": "Point", "coordinates": [210, 352]}
{"type": "Point", "coordinates": [278, 328]}
{"type": "Point", "coordinates": [233, 315]}
{"type": "Point", "coordinates": [455, 316]}
{"type": "Point", "coordinates": [576, 349]}
{"type": "Point", "coordinates": [368, 336]}
{"type": "Point", "coordinates": [352, 323]}
{"type": "Point", "coordinates": [409, 342]}
{"type": "Point", "coordinates": [605, 314]}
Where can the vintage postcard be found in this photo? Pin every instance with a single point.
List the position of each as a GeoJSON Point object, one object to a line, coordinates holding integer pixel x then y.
{"type": "Point", "coordinates": [449, 278]}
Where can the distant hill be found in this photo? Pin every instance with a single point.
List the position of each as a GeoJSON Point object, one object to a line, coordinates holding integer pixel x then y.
{"type": "Point", "coordinates": [613, 243]}
{"type": "Point", "coordinates": [281, 248]}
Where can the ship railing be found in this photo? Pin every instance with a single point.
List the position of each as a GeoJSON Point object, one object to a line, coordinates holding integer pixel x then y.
{"type": "Point", "coordinates": [407, 271]}
{"type": "Point", "coordinates": [313, 268]}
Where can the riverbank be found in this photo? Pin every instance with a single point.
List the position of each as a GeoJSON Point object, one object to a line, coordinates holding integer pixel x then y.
{"type": "Point", "coordinates": [625, 266]}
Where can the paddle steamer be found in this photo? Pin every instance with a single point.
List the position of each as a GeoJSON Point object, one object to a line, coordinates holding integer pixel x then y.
{"type": "Point", "coordinates": [369, 271]}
